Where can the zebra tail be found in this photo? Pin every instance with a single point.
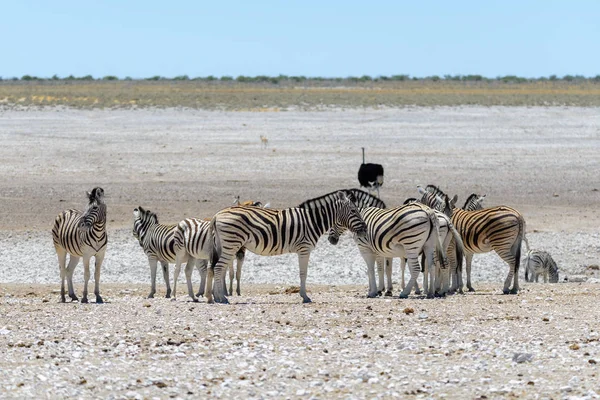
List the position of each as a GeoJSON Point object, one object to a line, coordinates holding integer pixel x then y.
{"type": "Point", "coordinates": [459, 248]}
{"type": "Point", "coordinates": [526, 262]}
{"type": "Point", "coordinates": [522, 226]}
{"type": "Point", "coordinates": [439, 250]}
{"type": "Point", "coordinates": [215, 251]}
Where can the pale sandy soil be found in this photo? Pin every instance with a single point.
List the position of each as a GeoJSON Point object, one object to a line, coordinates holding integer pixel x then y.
{"type": "Point", "coordinates": [180, 163]}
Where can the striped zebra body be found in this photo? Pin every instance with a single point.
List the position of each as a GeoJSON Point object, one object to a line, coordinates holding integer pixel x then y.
{"type": "Point", "coordinates": [400, 232]}
{"type": "Point", "coordinates": [539, 262]}
{"type": "Point", "coordinates": [81, 235]}
{"type": "Point", "coordinates": [161, 243]}
{"type": "Point", "coordinates": [269, 232]}
{"type": "Point", "coordinates": [197, 243]}
{"type": "Point", "coordinates": [501, 229]}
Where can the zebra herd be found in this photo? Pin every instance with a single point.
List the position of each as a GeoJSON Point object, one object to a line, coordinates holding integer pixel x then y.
{"type": "Point", "coordinates": [431, 227]}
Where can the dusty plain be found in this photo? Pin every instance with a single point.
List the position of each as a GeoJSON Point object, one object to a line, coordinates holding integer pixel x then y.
{"type": "Point", "coordinates": [541, 343]}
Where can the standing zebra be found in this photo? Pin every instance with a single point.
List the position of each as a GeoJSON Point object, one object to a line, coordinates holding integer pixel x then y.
{"type": "Point", "coordinates": [539, 262]}
{"type": "Point", "coordinates": [405, 232]}
{"type": "Point", "coordinates": [161, 243]}
{"type": "Point", "coordinates": [501, 229]}
{"type": "Point", "coordinates": [269, 232]}
{"type": "Point", "coordinates": [81, 235]}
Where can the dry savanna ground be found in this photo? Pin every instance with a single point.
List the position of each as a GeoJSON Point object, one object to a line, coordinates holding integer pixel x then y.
{"type": "Point", "coordinates": [541, 343]}
{"type": "Point", "coordinates": [294, 96]}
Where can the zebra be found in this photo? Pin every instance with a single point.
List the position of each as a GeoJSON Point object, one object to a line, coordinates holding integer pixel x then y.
{"type": "Point", "coordinates": [404, 232]}
{"type": "Point", "coordinates": [539, 262]}
{"type": "Point", "coordinates": [269, 232]}
{"type": "Point", "coordinates": [501, 229]}
{"type": "Point", "coordinates": [81, 234]}
{"type": "Point", "coordinates": [474, 202]}
{"type": "Point", "coordinates": [161, 243]}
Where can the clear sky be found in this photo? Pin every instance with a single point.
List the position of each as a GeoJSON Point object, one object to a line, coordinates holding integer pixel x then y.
{"type": "Point", "coordinates": [142, 38]}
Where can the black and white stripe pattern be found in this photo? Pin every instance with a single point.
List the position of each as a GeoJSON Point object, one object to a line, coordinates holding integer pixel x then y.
{"type": "Point", "coordinates": [81, 235]}
{"type": "Point", "coordinates": [474, 202]}
{"type": "Point", "coordinates": [161, 243]}
{"type": "Point", "coordinates": [269, 232]}
{"type": "Point", "coordinates": [501, 229]}
{"type": "Point", "coordinates": [540, 262]}
{"type": "Point", "coordinates": [400, 232]}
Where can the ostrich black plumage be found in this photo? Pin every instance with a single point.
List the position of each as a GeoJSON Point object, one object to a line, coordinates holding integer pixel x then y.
{"type": "Point", "coordinates": [370, 176]}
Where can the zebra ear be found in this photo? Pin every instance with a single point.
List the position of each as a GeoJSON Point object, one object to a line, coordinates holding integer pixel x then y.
{"type": "Point", "coordinates": [236, 201]}
{"type": "Point", "coordinates": [454, 200]}
{"type": "Point", "coordinates": [420, 190]}
{"type": "Point", "coordinates": [268, 205]}
{"type": "Point", "coordinates": [136, 212]}
{"type": "Point", "coordinates": [481, 199]}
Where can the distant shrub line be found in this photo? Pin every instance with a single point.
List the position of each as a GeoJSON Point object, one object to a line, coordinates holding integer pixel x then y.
{"type": "Point", "coordinates": [297, 79]}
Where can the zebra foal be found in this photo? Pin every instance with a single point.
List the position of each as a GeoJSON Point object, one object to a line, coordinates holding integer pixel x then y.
{"type": "Point", "coordinates": [270, 232]}
{"type": "Point", "coordinates": [540, 262]}
{"type": "Point", "coordinates": [161, 243]}
{"type": "Point", "coordinates": [81, 234]}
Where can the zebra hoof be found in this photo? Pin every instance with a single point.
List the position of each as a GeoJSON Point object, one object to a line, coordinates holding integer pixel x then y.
{"type": "Point", "coordinates": [403, 296]}
{"type": "Point", "coordinates": [471, 289]}
{"type": "Point", "coordinates": [210, 301]}
{"type": "Point", "coordinates": [151, 296]}
{"type": "Point", "coordinates": [418, 292]}
{"type": "Point", "coordinates": [306, 300]}
{"type": "Point", "coordinates": [379, 293]}
{"type": "Point", "coordinates": [440, 295]}
{"type": "Point", "coordinates": [99, 300]}
{"type": "Point", "coordinates": [514, 291]}
{"type": "Point", "coordinates": [430, 296]}
{"type": "Point", "coordinates": [84, 300]}
{"type": "Point", "coordinates": [74, 298]}
{"type": "Point", "coordinates": [168, 296]}
{"type": "Point", "coordinates": [388, 293]}
{"type": "Point", "coordinates": [174, 299]}
{"type": "Point", "coordinates": [505, 291]}
{"type": "Point", "coordinates": [372, 296]}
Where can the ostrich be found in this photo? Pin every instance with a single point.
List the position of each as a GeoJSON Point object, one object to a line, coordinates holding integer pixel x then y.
{"type": "Point", "coordinates": [370, 175]}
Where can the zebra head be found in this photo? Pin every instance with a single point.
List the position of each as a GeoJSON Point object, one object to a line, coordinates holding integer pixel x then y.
{"type": "Point", "coordinates": [347, 217]}
{"type": "Point", "coordinates": [95, 213]}
{"type": "Point", "coordinates": [142, 220]}
{"type": "Point", "coordinates": [436, 199]}
{"type": "Point", "coordinates": [474, 202]}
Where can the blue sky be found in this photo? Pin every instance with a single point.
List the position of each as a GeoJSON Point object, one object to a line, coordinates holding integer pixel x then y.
{"type": "Point", "coordinates": [311, 38]}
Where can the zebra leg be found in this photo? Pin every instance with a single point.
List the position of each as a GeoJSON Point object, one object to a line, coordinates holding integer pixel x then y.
{"type": "Point", "coordinates": [303, 264]}
{"type": "Point", "coordinates": [469, 258]}
{"type": "Point", "coordinates": [388, 274]}
{"type": "Point", "coordinates": [165, 268]}
{"type": "Point", "coordinates": [219, 279]}
{"type": "Point", "coordinates": [209, 285]}
{"type": "Point", "coordinates": [402, 268]}
{"type": "Point", "coordinates": [153, 265]}
{"type": "Point", "coordinates": [176, 277]}
{"type": "Point", "coordinates": [231, 277]}
{"type": "Point", "coordinates": [189, 268]}
{"type": "Point", "coordinates": [62, 261]}
{"type": "Point", "coordinates": [98, 258]}
{"type": "Point", "coordinates": [415, 269]}
{"type": "Point", "coordinates": [86, 278]}
{"type": "Point", "coordinates": [370, 259]}
{"type": "Point", "coordinates": [380, 266]}
{"type": "Point", "coordinates": [73, 261]}
{"type": "Point", "coordinates": [238, 274]}
{"type": "Point", "coordinates": [201, 265]}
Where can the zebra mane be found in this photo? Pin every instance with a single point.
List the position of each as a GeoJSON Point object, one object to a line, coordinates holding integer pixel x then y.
{"type": "Point", "coordinates": [320, 201]}
{"type": "Point", "coordinates": [148, 213]}
{"type": "Point", "coordinates": [363, 199]}
{"type": "Point", "coordinates": [359, 197]}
